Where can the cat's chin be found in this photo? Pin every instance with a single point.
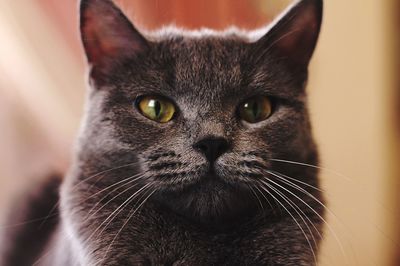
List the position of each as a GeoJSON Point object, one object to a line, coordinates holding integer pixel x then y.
{"type": "Point", "coordinates": [211, 201]}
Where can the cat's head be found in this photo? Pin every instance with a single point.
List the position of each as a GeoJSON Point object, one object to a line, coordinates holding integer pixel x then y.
{"type": "Point", "coordinates": [197, 118]}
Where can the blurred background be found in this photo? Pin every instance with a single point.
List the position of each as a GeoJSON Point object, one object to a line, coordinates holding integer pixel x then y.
{"type": "Point", "coordinates": [353, 88]}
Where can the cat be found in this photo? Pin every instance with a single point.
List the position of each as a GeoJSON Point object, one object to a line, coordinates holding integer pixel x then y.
{"type": "Point", "coordinates": [195, 149]}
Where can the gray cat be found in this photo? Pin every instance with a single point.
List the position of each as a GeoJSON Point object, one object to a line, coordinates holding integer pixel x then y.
{"type": "Point", "coordinates": [195, 150]}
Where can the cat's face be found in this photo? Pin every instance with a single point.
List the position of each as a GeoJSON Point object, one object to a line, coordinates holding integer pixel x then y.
{"type": "Point", "coordinates": [196, 119]}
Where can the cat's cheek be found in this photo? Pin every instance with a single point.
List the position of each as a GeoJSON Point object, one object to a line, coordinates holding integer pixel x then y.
{"type": "Point", "coordinates": [138, 134]}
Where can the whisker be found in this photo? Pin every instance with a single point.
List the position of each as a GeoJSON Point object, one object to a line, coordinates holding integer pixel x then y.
{"type": "Point", "coordinates": [312, 166]}
{"type": "Point", "coordinates": [312, 209]}
{"type": "Point", "coordinates": [130, 215]}
{"type": "Point", "coordinates": [135, 177]}
{"type": "Point", "coordinates": [254, 193]}
{"type": "Point", "coordinates": [117, 188]}
{"type": "Point", "coordinates": [291, 215]}
{"type": "Point", "coordinates": [337, 219]}
{"type": "Point", "coordinates": [57, 204]}
{"type": "Point", "coordinates": [299, 181]}
{"type": "Point", "coordinates": [298, 208]}
{"type": "Point", "coordinates": [119, 209]}
{"type": "Point", "coordinates": [51, 249]}
{"type": "Point", "coordinates": [301, 214]}
{"type": "Point", "coordinates": [90, 214]}
{"type": "Point", "coordinates": [283, 179]}
{"type": "Point", "coordinates": [269, 203]}
{"type": "Point", "coordinates": [43, 256]}
{"type": "Point", "coordinates": [103, 172]}
{"type": "Point", "coordinates": [40, 219]}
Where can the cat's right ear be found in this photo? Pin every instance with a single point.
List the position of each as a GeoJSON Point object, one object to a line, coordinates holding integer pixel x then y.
{"type": "Point", "coordinates": [108, 36]}
{"type": "Point", "coordinates": [293, 36]}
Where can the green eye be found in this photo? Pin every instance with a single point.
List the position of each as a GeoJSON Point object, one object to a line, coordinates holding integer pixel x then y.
{"type": "Point", "coordinates": [255, 109]}
{"type": "Point", "coordinates": [156, 108]}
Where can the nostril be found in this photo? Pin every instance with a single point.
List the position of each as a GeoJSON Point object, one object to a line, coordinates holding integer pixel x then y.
{"type": "Point", "coordinates": [212, 147]}
{"type": "Point", "coordinates": [203, 147]}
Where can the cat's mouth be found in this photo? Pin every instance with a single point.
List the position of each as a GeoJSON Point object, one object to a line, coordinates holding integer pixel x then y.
{"type": "Point", "coordinates": [210, 175]}
{"type": "Point", "coordinates": [207, 182]}
{"type": "Point", "coordinates": [211, 179]}
{"type": "Point", "coordinates": [209, 198]}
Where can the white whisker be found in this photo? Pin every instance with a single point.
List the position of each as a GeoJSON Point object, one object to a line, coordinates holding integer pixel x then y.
{"type": "Point", "coordinates": [99, 201]}
{"type": "Point", "coordinates": [296, 208]}
{"type": "Point", "coordinates": [322, 218]}
{"type": "Point", "coordinates": [130, 215]}
{"type": "Point", "coordinates": [117, 211]}
{"type": "Point", "coordinates": [313, 166]}
{"type": "Point", "coordinates": [83, 181]}
{"type": "Point", "coordinates": [294, 219]}
{"type": "Point", "coordinates": [298, 181]}
{"type": "Point", "coordinates": [255, 194]}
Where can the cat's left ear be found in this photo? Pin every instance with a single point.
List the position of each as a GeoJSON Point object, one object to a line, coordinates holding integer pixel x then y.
{"type": "Point", "coordinates": [295, 33]}
{"type": "Point", "coordinates": [107, 35]}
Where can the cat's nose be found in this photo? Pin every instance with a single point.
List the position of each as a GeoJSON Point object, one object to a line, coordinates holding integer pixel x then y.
{"type": "Point", "coordinates": [212, 147]}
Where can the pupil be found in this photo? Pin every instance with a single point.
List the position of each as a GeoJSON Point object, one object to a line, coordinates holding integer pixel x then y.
{"type": "Point", "coordinates": [157, 108]}
{"type": "Point", "coordinates": [255, 109]}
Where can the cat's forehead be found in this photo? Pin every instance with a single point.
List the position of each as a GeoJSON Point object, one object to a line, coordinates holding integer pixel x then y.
{"type": "Point", "coordinates": [204, 69]}
{"type": "Point", "coordinates": [207, 63]}
{"type": "Point", "coordinates": [223, 66]}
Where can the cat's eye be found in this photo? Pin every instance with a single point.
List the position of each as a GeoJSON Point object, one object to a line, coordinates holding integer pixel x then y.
{"type": "Point", "coordinates": [255, 109]}
{"type": "Point", "coordinates": [156, 108]}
